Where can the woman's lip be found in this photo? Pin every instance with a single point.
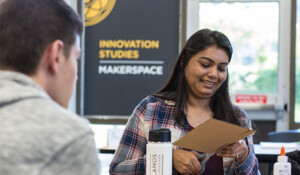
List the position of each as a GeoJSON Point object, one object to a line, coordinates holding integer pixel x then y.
{"type": "Point", "coordinates": [208, 82]}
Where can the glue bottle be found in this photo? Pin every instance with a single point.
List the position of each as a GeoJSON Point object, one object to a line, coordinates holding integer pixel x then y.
{"type": "Point", "coordinates": [282, 166]}
{"type": "Point", "coordinates": [159, 152]}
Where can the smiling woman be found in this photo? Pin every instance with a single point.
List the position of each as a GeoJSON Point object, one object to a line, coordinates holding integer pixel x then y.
{"type": "Point", "coordinates": [197, 90]}
{"type": "Point", "coordinates": [206, 71]}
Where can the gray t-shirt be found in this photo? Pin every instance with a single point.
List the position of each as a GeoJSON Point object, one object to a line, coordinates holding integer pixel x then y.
{"type": "Point", "coordinates": [38, 136]}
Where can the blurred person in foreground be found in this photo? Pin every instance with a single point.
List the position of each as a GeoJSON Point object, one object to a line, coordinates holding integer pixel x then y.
{"type": "Point", "coordinates": [197, 91]}
{"type": "Point", "coordinates": [39, 49]}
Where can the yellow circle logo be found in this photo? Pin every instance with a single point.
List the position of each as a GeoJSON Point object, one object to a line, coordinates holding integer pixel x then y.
{"type": "Point", "coordinates": [97, 10]}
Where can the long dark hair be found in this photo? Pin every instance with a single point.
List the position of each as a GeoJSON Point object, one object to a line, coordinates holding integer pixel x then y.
{"type": "Point", "coordinates": [176, 89]}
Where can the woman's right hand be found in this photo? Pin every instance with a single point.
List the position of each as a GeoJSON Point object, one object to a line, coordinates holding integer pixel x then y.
{"type": "Point", "coordinates": [186, 162]}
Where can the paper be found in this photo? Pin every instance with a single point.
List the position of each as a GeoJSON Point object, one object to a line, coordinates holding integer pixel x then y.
{"type": "Point", "coordinates": [114, 136]}
{"type": "Point", "coordinates": [212, 135]}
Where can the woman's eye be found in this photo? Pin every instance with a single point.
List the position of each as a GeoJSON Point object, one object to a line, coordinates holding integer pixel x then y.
{"type": "Point", "coordinates": [222, 69]}
{"type": "Point", "coordinates": [205, 65]}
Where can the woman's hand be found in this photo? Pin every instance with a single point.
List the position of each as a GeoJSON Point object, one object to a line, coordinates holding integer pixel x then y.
{"type": "Point", "coordinates": [186, 162]}
{"type": "Point", "coordinates": [239, 151]}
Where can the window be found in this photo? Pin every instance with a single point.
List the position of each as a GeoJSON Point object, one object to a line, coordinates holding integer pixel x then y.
{"type": "Point", "coordinates": [297, 68]}
{"type": "Point", "coordinates": [253, 29]}
{"type": "Point", "coordinates": [259, 31]}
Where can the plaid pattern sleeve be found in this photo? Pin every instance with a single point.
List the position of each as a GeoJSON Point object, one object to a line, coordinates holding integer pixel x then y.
{"type": "Point", "coordinates": [130, 157]}
{"type": "Point", "coordinates": [151, 113]}
{"type": "Point", "coordinates": [250, 165]}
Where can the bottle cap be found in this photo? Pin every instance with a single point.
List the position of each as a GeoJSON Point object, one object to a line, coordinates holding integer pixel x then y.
{"type": "Point", "coordinates": [282, 151]}
{"type": "Point", "coordinates": [160, 135]}
{"type": "Point", "coordinates": [282, 157]}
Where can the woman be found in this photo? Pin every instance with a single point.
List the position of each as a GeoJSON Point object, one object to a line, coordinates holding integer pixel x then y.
{"type": "Point", "coordinates": [196, 91]}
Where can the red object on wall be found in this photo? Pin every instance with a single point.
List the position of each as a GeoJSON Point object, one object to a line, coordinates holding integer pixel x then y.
{"type": "Point", "coordinates": [260, 99]}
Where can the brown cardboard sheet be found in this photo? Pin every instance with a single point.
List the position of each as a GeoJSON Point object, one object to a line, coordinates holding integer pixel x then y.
{"type": "Point", "coordinates": [212, 135]}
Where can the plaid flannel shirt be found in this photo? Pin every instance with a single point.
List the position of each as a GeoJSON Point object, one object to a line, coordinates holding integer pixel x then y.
{"type": "Point", "coordinates": [154, 113]}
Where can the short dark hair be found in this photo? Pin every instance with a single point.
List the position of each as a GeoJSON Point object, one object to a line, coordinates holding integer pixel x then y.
{"type": "Point", "coordinates": [27, 27]}
{"type": "Point", "coordinates": [176, 88]}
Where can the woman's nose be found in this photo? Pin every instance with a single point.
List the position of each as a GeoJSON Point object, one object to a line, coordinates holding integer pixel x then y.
{"type": "Point", "coordinates": [213, 72]}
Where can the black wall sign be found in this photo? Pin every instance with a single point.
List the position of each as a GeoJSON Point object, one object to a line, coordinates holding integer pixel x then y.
{"type": "Point", "coordinates": [130, 49]}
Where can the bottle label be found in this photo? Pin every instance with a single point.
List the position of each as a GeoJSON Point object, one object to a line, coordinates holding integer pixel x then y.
{"type": "Point", "coordinates": [285, 172]}
{"type": "Point", "coordinates": [156, 164]}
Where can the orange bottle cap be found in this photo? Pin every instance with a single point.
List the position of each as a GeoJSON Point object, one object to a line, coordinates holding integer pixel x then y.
{"type": "Point", "coordinates": [282, 152]}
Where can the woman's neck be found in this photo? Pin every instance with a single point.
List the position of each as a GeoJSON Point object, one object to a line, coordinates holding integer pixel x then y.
{"type": "Point", "coordinates": [198, 111]}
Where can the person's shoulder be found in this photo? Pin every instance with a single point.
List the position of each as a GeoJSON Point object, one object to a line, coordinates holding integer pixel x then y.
{"type": "Point", "coordinates": [60, 117]}
{"type": "Point", "coordinates": [51, 124]}
{"type": "Point", "coordinates": [156, 101]}
{"type": "Point", "coordinates": [71, 118]}
{"type": "Point", "coordinates": [239, 110]}
{"type": "Point", "coordinates": [152, 99]}
{"type": "Point", "coordinates": [67, 126]}
{"type": "Point", "coordinates": [153, 103]}
{"type": "Point", "coordinates": [154, 110]}
{"type": "Point", "coordinates": [242, 115]}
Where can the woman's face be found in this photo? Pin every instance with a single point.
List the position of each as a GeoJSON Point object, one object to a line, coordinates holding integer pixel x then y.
{"type": "Point", "coordinates": [206, 71]}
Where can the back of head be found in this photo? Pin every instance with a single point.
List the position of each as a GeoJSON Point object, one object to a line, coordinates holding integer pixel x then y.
{"type": "Point", "coordinates": [27, 27]}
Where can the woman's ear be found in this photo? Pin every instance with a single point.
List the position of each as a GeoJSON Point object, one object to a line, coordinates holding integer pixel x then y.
{"type": "Point", "coordinates": [182, 64]}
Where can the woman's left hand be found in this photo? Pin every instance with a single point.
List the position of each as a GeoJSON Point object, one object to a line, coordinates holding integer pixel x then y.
{"type": "Point", "coordinates": [239, 151]}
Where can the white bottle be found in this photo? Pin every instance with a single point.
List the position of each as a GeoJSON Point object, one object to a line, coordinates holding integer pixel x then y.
{"type": "Point", "coordinates": [159, 152]}
{"type": "Point", "coordinates": [282, 167]}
